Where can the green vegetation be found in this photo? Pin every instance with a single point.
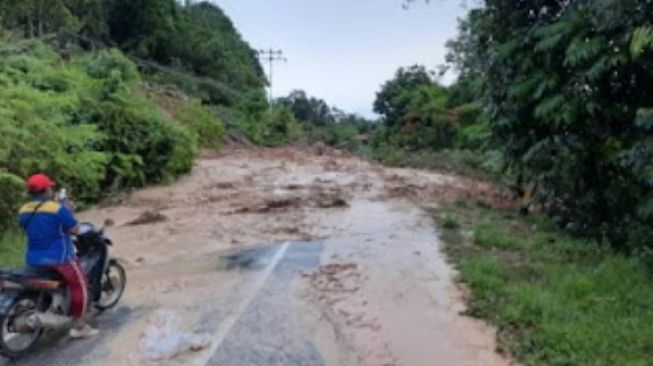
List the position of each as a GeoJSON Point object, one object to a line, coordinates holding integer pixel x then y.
{"type": "Point", "coordinates": [85, 123]}
{"type": "Point", "coordinates": [565, 88]}
{"type": "Point", "coordinates": [321, 123]}
{"type": "Point", "coordinates": [12, 249]}
{"type": "Point", "coordinates": [11, 197]}
{"type": "Point", "coordinates": [104, 95]}
{"type": "Point", "coordinates": [551, 95]}
{"type": "Point", "coordinates": [414, 112]}
{"type": "Point", "coordinates": [193, 38]}
{"type": "Point", "coordinates": [557, 300]}
{"type": "Point", "coordinates": [490, 236]}
{"type": "Point", "coordinates": [450, 222]}
{"type": "Point", "coordinates": [191, 113]}
{"type": "Point", "coordinates": [426, 125]}
{"type": "Point", "coordinates": [274, 127]}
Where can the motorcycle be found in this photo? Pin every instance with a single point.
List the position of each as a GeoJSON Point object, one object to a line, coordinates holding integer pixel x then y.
{"type": "Point", "coordinates": [31, 298]}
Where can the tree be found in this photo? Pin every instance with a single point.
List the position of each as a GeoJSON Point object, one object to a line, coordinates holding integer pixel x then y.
{"type": "Point", "coordinates": [391, 101]}
{"type": "Point", "coordinates": [36, 18]}
{"type": "Point", "coordinates": [566, 87]}
{"type": "Point", "coordinates": [309, 110]}
{"type": "Point", "coordinates": [197, 39]}
{"type": "Point", "coordinates": [414, 109]}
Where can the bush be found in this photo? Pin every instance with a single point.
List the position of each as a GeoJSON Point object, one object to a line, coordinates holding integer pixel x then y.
{"type": "Point", "coordinates": [37, 130]}
{"type": "Point", "coordinates": [110, 64]}
{"type": "Point", "coordinates": [85, 123]}
{"type": "Point", "coordinates": [11, 196]}
{"type": "Point", "coordinates": [145, 148]}
{"type": "Point", "coordinates": [209, 130]}
{"type": "Point", "coordinates": [275, 127]}
{"type": "Point", "coordinates": [450, 222]}
{"type": "Point", "coordinates": [12, 248]}
{"type": "Point", "coordinates": [473, 137]}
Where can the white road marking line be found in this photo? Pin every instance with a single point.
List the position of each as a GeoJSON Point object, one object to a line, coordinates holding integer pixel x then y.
{"type": "Point", "coordinates": [226, 326]}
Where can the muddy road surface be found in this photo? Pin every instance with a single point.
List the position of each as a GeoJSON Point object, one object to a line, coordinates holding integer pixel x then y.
{"type": "Point", "coordinates": [284, 257]}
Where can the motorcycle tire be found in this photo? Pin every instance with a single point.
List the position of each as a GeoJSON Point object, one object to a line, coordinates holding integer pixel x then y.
{"type": "Point", "coordinates": [114, 282]}
{"type": "Point", "coordinates": [19, 305]}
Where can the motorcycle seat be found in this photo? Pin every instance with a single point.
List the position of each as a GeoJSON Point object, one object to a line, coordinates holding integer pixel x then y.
{"type": "Point", "coordinates": [32, 272]}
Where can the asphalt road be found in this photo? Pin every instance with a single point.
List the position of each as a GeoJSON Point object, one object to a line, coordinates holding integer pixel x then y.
{"type": "Point", "coordinates": [257, 328]}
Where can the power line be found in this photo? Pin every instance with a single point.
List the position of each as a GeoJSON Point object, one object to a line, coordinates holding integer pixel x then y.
{"type": "Point", "coordinates": [271, 56]}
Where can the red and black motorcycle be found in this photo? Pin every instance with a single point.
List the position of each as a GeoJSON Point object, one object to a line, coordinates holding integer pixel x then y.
{"type": "Point", "coordinates": [34, 301]}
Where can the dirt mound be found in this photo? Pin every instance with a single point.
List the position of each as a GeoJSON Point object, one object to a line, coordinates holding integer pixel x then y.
{"type": "Point", "coordinates": [405, 191]}
{"type": "Point", "coordinates": [225, 185]}
{"type": "Point", "coordinates": [330, 202]}
{"type": "Point", "coordinates": [148, 217]}
{"type": "Point", "coordinates": [269, 205]}
{"type": "Point", "coordinates": [315, 197]}
{"type": "Point", "coordinates": [423, 187]}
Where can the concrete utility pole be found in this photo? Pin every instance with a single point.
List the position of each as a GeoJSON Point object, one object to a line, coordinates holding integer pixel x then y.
{"type": "Point", "coordinates": [270, 56]}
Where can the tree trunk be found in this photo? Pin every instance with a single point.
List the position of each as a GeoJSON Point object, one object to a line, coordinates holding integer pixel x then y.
{"type": "Point", "coordinates": [29, 28]}
{"type": "Point", "coordinates": [40, 18]}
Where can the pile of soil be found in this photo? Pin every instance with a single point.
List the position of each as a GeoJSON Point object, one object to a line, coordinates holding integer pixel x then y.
{"type": "Point", "coordinates": [148, 217]}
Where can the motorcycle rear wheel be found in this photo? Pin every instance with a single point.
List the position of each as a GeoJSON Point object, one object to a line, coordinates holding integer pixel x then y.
{"type": "Point", "coordinates": [114, 282]}
{"type": "Point", "coordinates": [14, 342]}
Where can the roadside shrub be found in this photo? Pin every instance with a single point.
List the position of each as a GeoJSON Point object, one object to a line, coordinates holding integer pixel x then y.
{"type": "Point", "coordinates": [275, 127]}
{"type": "Point", "coordinates": [209, 130]}
{"type": "Point", "coordinates": [12, 248]}
{"type": "Point", "coordinates": [450, 222]}
{"type": "Point", "coordinates": [473, 137]}
{"type": "Point", "coordinates": [140, 138]}
{"type": "Point", "coordinates": [110, 64]}
{"type": "Point", "coordinates": [85, 123]}
{"type": "Point", "coordinates": [11, 196]}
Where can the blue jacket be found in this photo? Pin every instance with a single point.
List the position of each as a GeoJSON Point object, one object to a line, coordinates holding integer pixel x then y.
{"type": "Point", "coordinates": [47, 228]}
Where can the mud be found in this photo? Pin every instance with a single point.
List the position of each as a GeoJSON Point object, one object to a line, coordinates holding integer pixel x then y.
{"type": "Point", "coordinates": [148, 217]}
{"type": "Point", "coordinates": [382, 295]}
{"type": "Point", "coordinates": [386, 296]}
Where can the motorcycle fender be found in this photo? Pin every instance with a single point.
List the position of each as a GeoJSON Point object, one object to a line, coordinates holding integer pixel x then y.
{"type": "Point", "coordinates": [119, 261]}
{"type": "Point", "coordinates": [7, 298]}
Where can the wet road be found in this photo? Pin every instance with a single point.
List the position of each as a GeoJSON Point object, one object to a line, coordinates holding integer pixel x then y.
{"type": "Point", "coordinates": [376, 292]}
{"type": "Point", "coordinates": [269, 331]}
{"type": "Point", "coordinates": [244, 329]}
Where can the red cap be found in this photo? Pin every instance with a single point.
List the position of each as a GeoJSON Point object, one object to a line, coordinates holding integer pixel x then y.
{"type": "Point", "coordinates": [39, 182]}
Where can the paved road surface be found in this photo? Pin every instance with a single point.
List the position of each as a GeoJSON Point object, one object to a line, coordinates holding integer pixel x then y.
{"type": "Point", "coordinates": [262, 329]}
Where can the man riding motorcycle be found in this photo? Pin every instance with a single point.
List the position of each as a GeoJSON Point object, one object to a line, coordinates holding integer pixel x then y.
{"type": "Point", "coordinates": [49, 225]}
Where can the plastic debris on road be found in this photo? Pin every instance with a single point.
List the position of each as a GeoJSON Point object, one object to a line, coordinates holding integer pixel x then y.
{"type": "Point", "coordinates": [163, 339]}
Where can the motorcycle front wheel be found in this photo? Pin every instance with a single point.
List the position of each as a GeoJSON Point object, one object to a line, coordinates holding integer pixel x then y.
{"type": "Point", "coordinates": [114, 282]}
{"type": "Point", "coordinates": [19, 331]}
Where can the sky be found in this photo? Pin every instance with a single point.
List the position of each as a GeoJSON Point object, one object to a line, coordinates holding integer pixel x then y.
{"type": "Point", "coordinates": [342, 51]}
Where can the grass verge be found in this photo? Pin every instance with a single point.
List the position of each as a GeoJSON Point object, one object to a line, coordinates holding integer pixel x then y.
{"type": "Point", "coordinates": [12, 249]}
{"type": "Point", "coordinates": [555, 299]}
